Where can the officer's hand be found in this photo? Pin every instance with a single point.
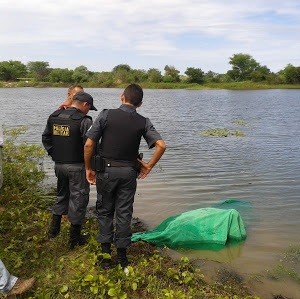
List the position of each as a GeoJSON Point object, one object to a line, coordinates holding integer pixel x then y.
{"type": "Point", "coordinates": [65, 104]}
{"type": "Point", "coordinates": [145, 169]}
{"type": "Point", "coordinates": [91, 176]}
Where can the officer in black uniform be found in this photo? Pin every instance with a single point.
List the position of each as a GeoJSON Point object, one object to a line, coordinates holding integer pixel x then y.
{"type": "Point", "coordinates": [118, 166]}
{"type": "Point", "coordinates": [64, 139]}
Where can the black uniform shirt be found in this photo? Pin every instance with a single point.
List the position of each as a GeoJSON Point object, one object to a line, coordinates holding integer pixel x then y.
{"type": "Point", "coordinates": [96, 131]}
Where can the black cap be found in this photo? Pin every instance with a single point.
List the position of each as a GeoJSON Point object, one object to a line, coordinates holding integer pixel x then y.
{"type": "Point", "coordinates": [85, 97]}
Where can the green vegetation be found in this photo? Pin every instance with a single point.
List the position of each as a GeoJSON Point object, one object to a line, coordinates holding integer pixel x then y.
{"type": "Point", "coordinates": [245, 73]}
{"type": "Point", "coordinates": [64, 273]}
{"type": "Point", "coordinates": [222, 132]}
{"type": "Point", "coordinates": [288, 267]}
{"type": "Point", "coordinates": [239, 122]}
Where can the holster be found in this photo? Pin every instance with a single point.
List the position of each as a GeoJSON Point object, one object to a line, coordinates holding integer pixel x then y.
{"type": "Point", "coordinates": [137, 166]}
{"type": "Point", "coordinates": [98, 163]}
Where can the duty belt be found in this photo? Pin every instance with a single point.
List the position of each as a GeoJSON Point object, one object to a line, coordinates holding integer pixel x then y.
{"type": "Point", "coordinates": [114, 163]}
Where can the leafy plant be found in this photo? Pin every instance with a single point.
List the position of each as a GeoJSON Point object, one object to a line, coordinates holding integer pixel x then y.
{"type": "Point", "coordinates": [22, 164]}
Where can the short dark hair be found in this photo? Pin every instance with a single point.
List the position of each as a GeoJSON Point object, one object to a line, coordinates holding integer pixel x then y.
{"type": "Point", "coordinates": [133, 94]}
{"type": "Point", "coordinates": [71, 87]}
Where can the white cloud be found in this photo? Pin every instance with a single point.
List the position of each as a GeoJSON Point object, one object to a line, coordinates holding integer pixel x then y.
{"type": "Point", "coordinates": [39, 29]}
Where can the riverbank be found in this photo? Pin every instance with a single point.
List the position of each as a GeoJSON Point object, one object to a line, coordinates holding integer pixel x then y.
{"type": "Point", "coordinates": [247, 85]}
{"type": "Point", "coordinates": [64, 273]}
{"type": "Point", "coordinates": [61, 272]}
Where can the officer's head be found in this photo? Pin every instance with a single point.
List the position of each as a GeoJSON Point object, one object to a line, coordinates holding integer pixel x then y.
{"type": "Point", "coordinates": [83, 101]}
{"type": "Point", "coordinates": [72, 90]}
{"type": "Point", "coordinates": [133, 94]}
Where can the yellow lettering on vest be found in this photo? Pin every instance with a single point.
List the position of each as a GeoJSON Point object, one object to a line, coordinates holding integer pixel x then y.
{"type": "Point", "coordinates": [61, 130]}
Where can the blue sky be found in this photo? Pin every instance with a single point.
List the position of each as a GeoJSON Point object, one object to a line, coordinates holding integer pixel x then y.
{"type": "Point", "coordinates": [101, 34]}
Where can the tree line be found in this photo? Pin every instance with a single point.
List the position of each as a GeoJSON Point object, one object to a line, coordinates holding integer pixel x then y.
{"type": "Point", "coordinates": [243, 68]}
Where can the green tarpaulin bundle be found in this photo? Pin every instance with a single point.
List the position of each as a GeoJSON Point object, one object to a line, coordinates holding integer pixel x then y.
{"type": "Point", "coordinates": [207, 228]}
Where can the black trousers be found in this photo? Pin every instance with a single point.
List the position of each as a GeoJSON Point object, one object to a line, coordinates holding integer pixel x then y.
{"type": "Point", "coordinates": [116, 188]}
{"type": "Point", "coordinates": [72, 192]}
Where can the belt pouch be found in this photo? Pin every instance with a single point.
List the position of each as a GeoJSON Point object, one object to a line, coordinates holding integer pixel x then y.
{"type": "Point", "coordinates": [98, 163]}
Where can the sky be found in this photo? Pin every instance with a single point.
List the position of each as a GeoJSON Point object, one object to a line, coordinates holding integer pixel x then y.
{"type": "Point", "coordinates": [101, 34]}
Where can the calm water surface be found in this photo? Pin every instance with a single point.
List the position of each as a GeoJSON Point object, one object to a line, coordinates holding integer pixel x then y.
{"type": "Point", "coordinates": [262, 168]}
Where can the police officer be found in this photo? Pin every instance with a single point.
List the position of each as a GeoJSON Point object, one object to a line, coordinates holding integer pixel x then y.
{"type": "Point", "coordinates": [117, 168]}
{"type": "Point", "coordinates": [72, 90]}
{"type": "Point", "coordinates": [63, 139]}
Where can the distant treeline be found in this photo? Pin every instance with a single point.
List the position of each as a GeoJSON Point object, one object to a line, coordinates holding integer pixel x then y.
{"type": "Point", "coordinates": [244, 68]}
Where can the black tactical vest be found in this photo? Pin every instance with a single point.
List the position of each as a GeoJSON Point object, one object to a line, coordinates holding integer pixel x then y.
{"type": "Point", "coordinates": [66, 136]}
{"type": "Point", "coordinates": [122, 135]}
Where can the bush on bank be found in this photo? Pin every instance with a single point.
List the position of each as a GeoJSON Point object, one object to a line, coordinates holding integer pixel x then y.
{"type": "Point", "coordinates": [64, 273]}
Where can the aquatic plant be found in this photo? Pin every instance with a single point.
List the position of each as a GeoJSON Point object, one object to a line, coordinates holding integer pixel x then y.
{"type": "Point", "coordinates": [222, 132]}
{"type": "Point", "coordinates": [239, 122]}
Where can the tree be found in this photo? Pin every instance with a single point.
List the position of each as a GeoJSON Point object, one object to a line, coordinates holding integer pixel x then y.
{"type": "Point", "coordinates": [61, 75]}
{"type": "Point", "coordinates": [211, 76]}
{"type": "Point", "coordinates": [194, 75]}
{"type": "Point", "coordinates": [122, 67]}
{"type": "Point", "coordinates": [154, 75]}
{"type": "Point", "coordinates": [39, 69]}
{"type": "Point", "coordinates": [273, 78]}
{"type": "Point", "coordinates": [103, 78]}
{"type": "Point", "coordinates": [171, 74]}
{"type": "Point", "coordinates": [243, 65]}
{"type": "Point", "coordinates": [260, 74]}
{"type": "Point", "coordinates": [138, 76]}
{"type": "Point", "coordinates": [11, 70]}
{"type": "Point", "coordinates": [291, 74]}
{"type": "Point", "coordinates": [122, 74]}
{"type": "Point", "coordinates": [81, 74]}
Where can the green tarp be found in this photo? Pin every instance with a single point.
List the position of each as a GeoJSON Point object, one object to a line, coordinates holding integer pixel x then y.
{"type": "Point", "coordinates": [207, 228]}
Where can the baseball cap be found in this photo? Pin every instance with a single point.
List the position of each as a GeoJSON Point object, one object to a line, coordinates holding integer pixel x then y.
{"type": "Point", "coordinates": [85, 97]}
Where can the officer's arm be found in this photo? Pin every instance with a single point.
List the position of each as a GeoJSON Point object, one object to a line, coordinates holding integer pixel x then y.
{"type": "Point", "coordinates": [88, 153]}
{"type": "Point", "coordinates": [160, 148]}
{"type": "Point", "coordinates": [47, 139]}
{"type": "Point", "coordinates": [65, 104]}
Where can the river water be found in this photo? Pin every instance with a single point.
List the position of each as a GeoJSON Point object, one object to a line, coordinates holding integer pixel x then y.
{"type": "Point", "coordinates": [261, 168]}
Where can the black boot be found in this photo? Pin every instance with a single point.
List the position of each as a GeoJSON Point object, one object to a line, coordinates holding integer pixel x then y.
{"type": "Point", "coordinates": [54, 226]}
{"type": "Point", "coordinates": [75, 237]}
{"type": "Point", "coordinates": [122, 257]}
{"type": "Point", "coordinates": [105, 262]}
